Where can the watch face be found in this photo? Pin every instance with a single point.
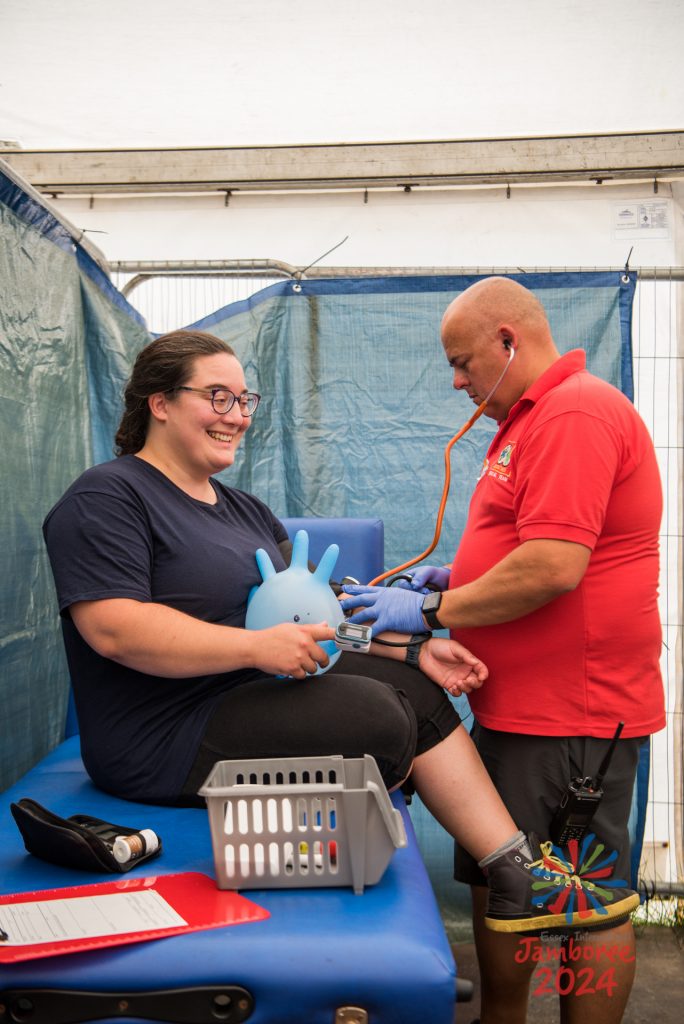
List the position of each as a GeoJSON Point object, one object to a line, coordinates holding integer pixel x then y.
{"type": "Point", "coordinates": [429, 608]}
{"type": "Point", "coordinates": [431, 602]}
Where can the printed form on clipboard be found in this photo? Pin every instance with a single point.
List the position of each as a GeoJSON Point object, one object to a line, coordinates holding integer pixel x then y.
{"type": "Point", "coordinates": [71, 920]}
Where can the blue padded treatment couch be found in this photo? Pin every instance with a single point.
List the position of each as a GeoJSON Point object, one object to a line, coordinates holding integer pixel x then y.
{"type": "Point", "coordinates": [324, 955]}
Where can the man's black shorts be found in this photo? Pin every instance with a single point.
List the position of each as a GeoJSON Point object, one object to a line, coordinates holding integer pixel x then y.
{"type": "Point", "coordinates": [531, 773]}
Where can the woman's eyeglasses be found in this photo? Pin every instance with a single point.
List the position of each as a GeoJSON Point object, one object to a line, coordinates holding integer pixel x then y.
{"type": "Point", "coordinates": [222, 400]}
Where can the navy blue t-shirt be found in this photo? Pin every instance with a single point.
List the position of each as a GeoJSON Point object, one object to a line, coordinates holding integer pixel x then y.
{"type": "Point", "coordinates": [123, 529]}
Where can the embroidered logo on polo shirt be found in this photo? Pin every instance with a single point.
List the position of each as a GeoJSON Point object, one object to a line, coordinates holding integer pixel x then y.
{"type": "Point", "coordinates": [502, 467]}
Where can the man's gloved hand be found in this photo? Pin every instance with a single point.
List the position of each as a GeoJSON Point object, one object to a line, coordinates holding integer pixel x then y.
{"type": "Point", "coordinates": [388, 608]}
{"type": "Point", "coordinates": [437, 576]}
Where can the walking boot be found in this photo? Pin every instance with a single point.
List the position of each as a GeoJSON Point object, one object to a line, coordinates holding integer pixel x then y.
{"type": "Point", "coordinates": [556, 889]}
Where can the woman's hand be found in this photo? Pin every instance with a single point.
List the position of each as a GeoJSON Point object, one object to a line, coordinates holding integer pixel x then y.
{"type": "Point", "coordinates": [292, 650]}
{"type": "Point", "coordinates": [451, 666]}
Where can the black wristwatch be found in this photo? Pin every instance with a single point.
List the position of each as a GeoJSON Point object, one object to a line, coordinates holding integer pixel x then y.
{"type": "Point", "coordinates": [429, 608]}
{"type": "Point", "coordinates": [413, 648]}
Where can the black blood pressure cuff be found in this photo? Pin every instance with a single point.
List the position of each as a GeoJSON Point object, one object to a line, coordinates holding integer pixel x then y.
{"type": "Point", "coordinates": [80, 842]}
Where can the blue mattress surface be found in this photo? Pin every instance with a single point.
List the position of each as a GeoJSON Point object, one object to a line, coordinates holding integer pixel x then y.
{"type": "Point", "coordinates": [321, 949]}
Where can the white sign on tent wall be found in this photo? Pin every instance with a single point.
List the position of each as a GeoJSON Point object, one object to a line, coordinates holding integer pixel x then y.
{"type": "Point", "coordinates": [645, 219]}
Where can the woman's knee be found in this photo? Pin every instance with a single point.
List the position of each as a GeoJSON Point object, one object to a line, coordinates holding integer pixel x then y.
{"type": "Point", "coordinates": [382, 723]}
{"type": "Point", "coordinates": [387, 714]}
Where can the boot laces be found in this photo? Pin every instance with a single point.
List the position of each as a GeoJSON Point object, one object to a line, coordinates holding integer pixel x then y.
{"type": "Point", "coordinates": [553, 866]}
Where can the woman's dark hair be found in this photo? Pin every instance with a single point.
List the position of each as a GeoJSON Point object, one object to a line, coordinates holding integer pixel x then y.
{"type": "Point", "coordinates": [164, 364]}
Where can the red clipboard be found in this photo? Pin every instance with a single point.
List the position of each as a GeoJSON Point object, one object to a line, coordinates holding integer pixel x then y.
{"type": "Point", "coordinates": [192, 895]}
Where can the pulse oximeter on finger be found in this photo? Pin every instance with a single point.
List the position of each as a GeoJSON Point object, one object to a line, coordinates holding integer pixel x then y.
{"type": "Point", "coordinates": [351, 636]}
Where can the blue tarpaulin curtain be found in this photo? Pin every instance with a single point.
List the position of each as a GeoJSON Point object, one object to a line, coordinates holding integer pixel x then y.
{"type": "Point", "coordinates": [357, 410]}
{"type": "Point", "coordinates": [358, 404]}
{"type": "Point", "coordinates": [67, 338]}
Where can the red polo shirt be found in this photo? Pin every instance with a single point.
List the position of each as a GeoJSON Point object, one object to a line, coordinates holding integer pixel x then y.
{"type": "Point", "coordinates": [573, 461]}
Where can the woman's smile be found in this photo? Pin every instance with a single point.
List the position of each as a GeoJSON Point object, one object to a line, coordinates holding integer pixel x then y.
{"type": "Point", "coordinates": [218, 436]}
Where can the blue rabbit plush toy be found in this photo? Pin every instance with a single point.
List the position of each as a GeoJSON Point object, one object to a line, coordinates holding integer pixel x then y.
{"type": "Point", "coordinates": [296, 594]}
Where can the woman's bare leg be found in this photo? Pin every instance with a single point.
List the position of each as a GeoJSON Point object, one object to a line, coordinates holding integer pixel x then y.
{"type": "Point", "coordinates": [454, 785]}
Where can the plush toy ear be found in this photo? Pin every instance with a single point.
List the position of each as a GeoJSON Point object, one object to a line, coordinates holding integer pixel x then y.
{"type": "Point", "coordinates": [300, 550]}
{"type": "Point", "coordinates": [264, 564]}
{"type": "Point", "coordinates": [324, 569]}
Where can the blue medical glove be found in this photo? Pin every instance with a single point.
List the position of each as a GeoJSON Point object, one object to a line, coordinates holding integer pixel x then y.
{"type": "Point", "coordinates": [386, 607]}
{"type": "Point", "coordinates": [437, 576]}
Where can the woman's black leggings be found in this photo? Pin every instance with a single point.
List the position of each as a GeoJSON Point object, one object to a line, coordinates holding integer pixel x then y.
{"type": "Point", "coordinates": [363, 705]}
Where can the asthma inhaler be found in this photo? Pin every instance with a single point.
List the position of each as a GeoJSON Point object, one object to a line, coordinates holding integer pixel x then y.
{"type": "Point", "coordinates": [132, 847]}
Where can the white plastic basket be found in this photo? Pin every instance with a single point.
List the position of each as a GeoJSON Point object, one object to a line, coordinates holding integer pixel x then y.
{"type": "Point", "coordinates": [301, 822]}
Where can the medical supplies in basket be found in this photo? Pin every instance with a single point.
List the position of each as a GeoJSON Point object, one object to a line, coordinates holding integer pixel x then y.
{"type": "Point", "coordinates": [301, 822]}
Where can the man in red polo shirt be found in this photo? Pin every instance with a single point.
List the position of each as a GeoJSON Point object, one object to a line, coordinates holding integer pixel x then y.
{"type": "Point", "coordinates": [554, 585]}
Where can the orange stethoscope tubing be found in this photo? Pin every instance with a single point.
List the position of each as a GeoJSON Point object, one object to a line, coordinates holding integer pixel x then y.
{"type": "Point", "coordinates": [447, 473]}
{"type": "Point", "coordinates": [445, 494]}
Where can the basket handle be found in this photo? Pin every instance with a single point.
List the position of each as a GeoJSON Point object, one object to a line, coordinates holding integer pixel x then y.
{"type": "Point", "coordinates": [391, 816]}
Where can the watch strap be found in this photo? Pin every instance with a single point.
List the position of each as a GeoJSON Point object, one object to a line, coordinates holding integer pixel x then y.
{"type": "Point", "coordinates": [413, 648]}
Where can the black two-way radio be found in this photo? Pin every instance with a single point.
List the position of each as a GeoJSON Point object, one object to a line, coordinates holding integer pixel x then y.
{"type": "Point", "coordinates": [580, 801]}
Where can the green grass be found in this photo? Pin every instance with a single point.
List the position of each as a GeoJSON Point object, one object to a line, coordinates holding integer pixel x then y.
{"type": "Point", "coordinates": [665, 910]}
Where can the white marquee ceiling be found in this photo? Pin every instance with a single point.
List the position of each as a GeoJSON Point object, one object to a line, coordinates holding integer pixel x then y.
{"type": "Point", "coordinates": [164, 73]}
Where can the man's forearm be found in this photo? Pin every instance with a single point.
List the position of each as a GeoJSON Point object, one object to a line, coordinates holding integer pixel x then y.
{"type": "Point", "coordinates": [528, 578]}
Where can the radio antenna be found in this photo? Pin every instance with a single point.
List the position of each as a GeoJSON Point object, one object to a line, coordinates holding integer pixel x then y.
{"type": "Point", "coordinates": [609, 753]}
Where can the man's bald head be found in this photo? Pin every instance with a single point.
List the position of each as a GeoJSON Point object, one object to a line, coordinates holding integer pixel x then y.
{"type": "Point", "coordinates": [483, 328]}
{"type": "Point", "coordinates": [498, 299]}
